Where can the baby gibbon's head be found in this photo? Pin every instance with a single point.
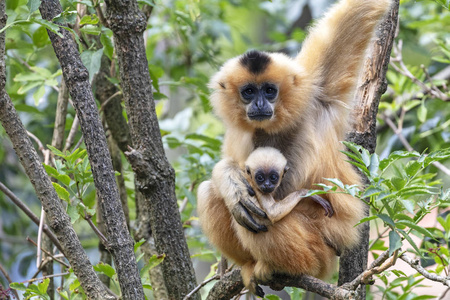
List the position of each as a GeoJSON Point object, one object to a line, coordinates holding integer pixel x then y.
{"type": "Point", "coordinates": [266, 167]}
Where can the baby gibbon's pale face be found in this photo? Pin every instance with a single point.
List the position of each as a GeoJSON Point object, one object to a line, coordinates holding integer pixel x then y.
{"type": "Point", "coordinates": [266, 166]}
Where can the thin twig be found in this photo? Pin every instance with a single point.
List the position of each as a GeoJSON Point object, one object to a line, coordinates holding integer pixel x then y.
{"type": "Point", "coordinates": [102, 107]}
{"type": "Point", "coordinates": [73, 131]}
{"type": "Point", "coordinates": [2, 269]}
{"type": "Point", "coordinates": [408, 146]}
{"type": "Point", "coordinates": [188, 296]}
{"type": "Point", "coordinates": [49, 254]}
{"type": "Point", "coordinates": [100, 14]}
{"type": "Point", "coordinates": [30, 214]}
{"type": "Point", "coordinates": [415, 264]}
{"type": "Point", "coordinates": [45, 277]}
{"type": "Point", "coordinates": [39, 238]}
{"type": "Point", "coordinates": [443, 294]}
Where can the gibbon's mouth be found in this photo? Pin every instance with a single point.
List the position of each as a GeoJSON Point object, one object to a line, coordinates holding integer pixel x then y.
{"type": "Point", "coordinates": [266, 190]}
{"type": "Point", "coordinates": [260, 116]}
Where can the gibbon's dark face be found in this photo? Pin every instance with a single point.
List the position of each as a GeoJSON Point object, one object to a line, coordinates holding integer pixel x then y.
{"type": "Point", "coordinates": [259, 98]}
{"type": "Point", "coordinates": [266, 181]}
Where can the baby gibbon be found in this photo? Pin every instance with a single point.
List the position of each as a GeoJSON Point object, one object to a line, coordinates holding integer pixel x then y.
{"type": "Point", "coordinates": [265, 168]}
{"type": "Point", "coordinates": [301, 107]}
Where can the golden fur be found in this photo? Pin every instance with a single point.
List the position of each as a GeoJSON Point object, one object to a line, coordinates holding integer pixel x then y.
{"type": "Point", "coordinates": [310, 118]}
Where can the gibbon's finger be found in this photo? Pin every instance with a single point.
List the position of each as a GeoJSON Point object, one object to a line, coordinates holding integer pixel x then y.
{"type": "Point", "coordinates": [259, 291]}
{"type": "Point", "coordinates": [250, 190]}
{"type": "Point", "coordinates": [251, 206]}
{"type": "Point", "coordinates": [325, 204]}
{"type": "Point", "coordinates": [244, 219]}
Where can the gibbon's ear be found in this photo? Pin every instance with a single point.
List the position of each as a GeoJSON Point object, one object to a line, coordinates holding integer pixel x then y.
{"type": "Point", "coordinates": [248, 170]}
{"type": "Point", "coordinates": [285, 170]}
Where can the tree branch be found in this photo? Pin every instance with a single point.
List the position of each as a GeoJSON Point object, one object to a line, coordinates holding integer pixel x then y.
{"type": "Point", "coordinates": [77, 81]}
{"type": "Point", "coordinates": [154, 174]}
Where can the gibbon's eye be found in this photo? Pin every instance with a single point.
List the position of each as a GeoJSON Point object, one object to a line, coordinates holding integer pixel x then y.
{"type": "Point", "coordinates": [259, 178]}
{"type": "Point", "coordinates": [273, 177]}
{"type": "Point", "coordinates": [270, 91]}
{"type": "Point", "coordinates": [248, 92]}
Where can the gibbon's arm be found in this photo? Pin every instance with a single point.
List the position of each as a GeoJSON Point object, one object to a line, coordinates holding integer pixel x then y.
{"type": "Point", "coordinates": [277, 210]}
{"type": "Point", "coordinates": [239, 197]}
{"type": "Point", "coordinates": [334, 49]}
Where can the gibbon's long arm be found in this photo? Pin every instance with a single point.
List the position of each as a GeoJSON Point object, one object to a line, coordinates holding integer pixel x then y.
{"type": "Point", "coordinates": [335, 47]}
{"type": "Point", "coordinates": [232, 185]}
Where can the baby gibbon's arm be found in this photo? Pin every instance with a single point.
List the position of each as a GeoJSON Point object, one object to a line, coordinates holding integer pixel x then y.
{"type": "Point", "coordinates": [277, 210]}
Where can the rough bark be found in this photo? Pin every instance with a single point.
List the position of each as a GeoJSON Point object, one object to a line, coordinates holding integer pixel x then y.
{"type": "Point", "coordinates": [77, 80]}
{"type": "Point", "coordinates": [59, 221]}
{"type": "Point", "coordinates": [112, 110]}
{"type": "Point", "coordinates": [60, 118]}
{"type": "Point", "coordinates": [154, 174]}
{"type": "Point", "coordinates": [231, 285]}
{"type": "Point", "coordinates": [372, 85]}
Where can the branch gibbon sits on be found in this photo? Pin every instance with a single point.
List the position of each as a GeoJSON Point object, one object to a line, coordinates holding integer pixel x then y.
{"type": "Point", "coordinates": [301, 107]}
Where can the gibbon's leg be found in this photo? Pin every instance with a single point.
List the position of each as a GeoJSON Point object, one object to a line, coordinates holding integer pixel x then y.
{"type": "Point", "coordinates": [247, 273]}
{"type": "Point", "coordinates": [277, 210]}
{"type": "Point", "coordinates": [231, 184]}
{"type": "Point", "coordinates": [334, 50]}
{"type": "Point", "coordinates": [215, 220]}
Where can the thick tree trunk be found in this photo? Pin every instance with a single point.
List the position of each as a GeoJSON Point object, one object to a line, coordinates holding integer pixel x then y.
{"type": "Point", "coordinates": [77, 80]}
{"type": "Point", "coordinates": [372, 85]}
{"type": "Point", "coordinates": [154, 174]}
{"type": "Point", "coordinates": [58, 219]}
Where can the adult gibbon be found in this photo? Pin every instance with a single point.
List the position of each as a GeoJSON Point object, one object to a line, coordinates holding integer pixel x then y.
{"type": "Point", "coordinates": [301, 107]}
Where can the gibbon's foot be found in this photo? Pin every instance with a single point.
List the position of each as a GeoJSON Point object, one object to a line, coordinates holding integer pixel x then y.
{"type": "Point", "coordinates": [254, 288]}
{"type": "Point", "coordinates": [325, 204]}
{"type": "Point", "coordinates": [241, 214]}
{"type": "Point", "coordinates": [259, 291]}
{"type": "Point", "coordinates": [276, 286]}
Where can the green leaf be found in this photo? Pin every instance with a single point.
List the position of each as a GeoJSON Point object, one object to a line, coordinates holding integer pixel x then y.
{"type": "Point", "coordinates": [272, 297]}
{"type": "Point", "coordinates": [72, 211]}
{"type": "Point", "coordinates": [40, 37]}
{"type": "Point", "coordinates": [422, 112]}
{"type": "Point", "coordinates": [353, 156]}
{"type": "Point", "coordinates": [138, 244]}
{"type": "Point", "coordinates": [147, 2]}
{"type": "Point", "coordinates": [89, 19]}
{"type": "Point", "coordinates": [409, 205]}
{"type": "Point", "coordinates": [51, 171]}
{"type": "Point", "coordinates": [398, 182]}
{"type": "Point", "coordinates": [416, 227]}
{"type": "Point", "coordinates": [62, 192]}
{"type": "Point", "coordinates": [92, 61]}
{"type": "Point", "coordinates": [49, 25]}
{"type": "Point", "coordinates": [91, 29]}
{"type": "Point", "coordinates": [395, 242]}
{"type": "Point", "coordinates": [371, 191]}
{"type": "Point", "coordinates": [396, 155]}
{"type": "Point", "coordinates": [108, 47]}
{"type": "Point", "coordinates": [336, 182]}
{"type": "Point", "coordinates": [18, 286]}
{"type": "Point", "coordinates": [363, 220]}
{"type": "Point", "coordinates": [374, 164]}
{"type": "Point", "coordinates": [105, 269]}
{"type": "Point", "coordinates": [412, 168]}
{"type": "Point", "coordinates": [43, 286]}
{"type": "Point", "coordinates": [56, 151]}
{"type": "Point", "coordinates": [386, 219]}
{"type": "Point", "coordinates": [39, 94]}
{"type": "Point", "coordinates": [33, 5]}
{"type": "Point", "coordinates": [410, 240]}
{"type": "Point", "coordinates": [64, 179]}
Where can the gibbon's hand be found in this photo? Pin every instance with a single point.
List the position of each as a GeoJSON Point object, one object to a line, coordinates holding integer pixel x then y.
{"type": "Point", "coordinates": [325, 204]}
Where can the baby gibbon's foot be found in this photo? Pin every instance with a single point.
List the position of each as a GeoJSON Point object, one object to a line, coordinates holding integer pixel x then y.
{"type": "Point", "coordinates": [325, 204]}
